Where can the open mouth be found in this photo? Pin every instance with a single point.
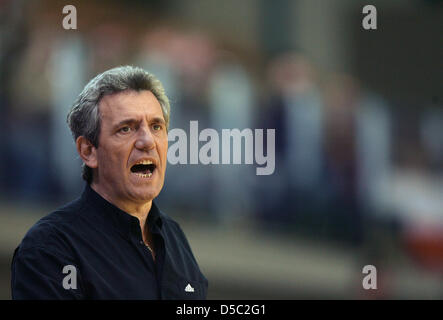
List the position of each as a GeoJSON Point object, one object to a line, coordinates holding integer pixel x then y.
{"type": "Point", "coordinates": [144, 168]}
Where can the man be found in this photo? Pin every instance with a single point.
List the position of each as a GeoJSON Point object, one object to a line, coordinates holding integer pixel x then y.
{"type": "Point", "coordinates": [113, 242]}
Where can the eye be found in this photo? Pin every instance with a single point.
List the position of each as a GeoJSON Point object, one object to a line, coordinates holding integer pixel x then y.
{"type": "Point", "coordinates": [125, 129]}
{"type": "Point", "coordinates": [157, 127]}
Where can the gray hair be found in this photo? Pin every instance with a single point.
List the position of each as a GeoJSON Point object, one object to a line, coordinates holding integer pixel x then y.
{"type": "Point", "coordinates": [84, 117]}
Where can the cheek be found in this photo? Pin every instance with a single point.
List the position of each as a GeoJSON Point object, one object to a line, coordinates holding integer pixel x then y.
{"type": "Point", "coordinates": [111, 159]}
{"type": "Point", "coordinates": [163, 151]}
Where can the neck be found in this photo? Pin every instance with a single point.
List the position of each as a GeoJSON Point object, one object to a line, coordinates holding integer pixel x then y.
{"type": "Point", "coordinates": [138, 210]}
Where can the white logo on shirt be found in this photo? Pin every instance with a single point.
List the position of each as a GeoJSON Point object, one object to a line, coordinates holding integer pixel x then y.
{"type": "Point", "coordinates": [189, 288]}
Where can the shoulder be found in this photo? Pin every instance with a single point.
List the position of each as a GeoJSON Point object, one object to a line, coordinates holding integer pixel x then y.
{"type": "Point", "coordinates": [49, 232]}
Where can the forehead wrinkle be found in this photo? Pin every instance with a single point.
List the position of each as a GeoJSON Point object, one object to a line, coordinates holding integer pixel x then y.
{"type": "Point", "coordinates": [139, 109]}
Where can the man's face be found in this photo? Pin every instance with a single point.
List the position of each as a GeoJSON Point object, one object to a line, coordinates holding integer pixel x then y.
{"type": "Point", "coordinates": [133, 143]}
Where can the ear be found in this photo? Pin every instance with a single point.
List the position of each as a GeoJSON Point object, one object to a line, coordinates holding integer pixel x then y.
{"type": "Point", "coordinates": [87, 152]}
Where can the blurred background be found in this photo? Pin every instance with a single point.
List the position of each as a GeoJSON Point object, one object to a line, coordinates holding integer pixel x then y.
{"type": "Point", "coordinates": [358, 116]}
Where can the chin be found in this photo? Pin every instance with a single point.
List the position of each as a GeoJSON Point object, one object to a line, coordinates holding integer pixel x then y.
{"type": "Point", "coordinates": [146, 196]}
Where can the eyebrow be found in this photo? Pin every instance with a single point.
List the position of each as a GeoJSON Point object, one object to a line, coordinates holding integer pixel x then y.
{"type": "Point", "coordinates": [126, 121]}
{"type": "Point", "coordinates": [135, 121]}
{"type": "Point", "coordinates": [158, 120]}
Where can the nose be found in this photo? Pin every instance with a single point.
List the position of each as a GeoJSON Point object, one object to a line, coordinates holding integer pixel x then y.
{"type": "Point", "coordinates": [145, 140]}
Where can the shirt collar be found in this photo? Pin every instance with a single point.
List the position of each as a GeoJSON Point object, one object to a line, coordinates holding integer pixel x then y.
{"type": "Point", "coordinates": [125, 223]}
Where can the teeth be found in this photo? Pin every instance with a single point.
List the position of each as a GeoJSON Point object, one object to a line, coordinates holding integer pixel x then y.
{"type": "Point", "coordinates": [144, 162]}
{"type": "Point", "coordinates": [148, 175]}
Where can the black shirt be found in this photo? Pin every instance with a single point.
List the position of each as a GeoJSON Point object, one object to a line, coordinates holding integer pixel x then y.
{"type": "Point", "coordinates": [90, 249]}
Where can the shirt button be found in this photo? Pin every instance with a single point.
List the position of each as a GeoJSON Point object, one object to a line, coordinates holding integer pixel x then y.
{"type": "Point", "coordinates": [141, 242]}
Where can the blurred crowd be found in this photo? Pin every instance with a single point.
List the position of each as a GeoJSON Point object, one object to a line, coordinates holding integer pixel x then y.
{"type": "Point", "coordinates": [344, 154]}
